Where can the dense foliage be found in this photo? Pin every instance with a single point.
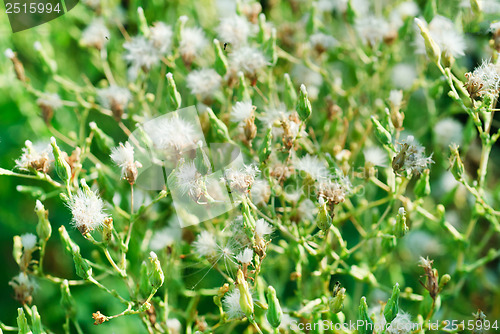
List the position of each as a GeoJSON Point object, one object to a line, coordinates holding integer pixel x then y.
{"type": "Point", "coordinates": [219, 167]}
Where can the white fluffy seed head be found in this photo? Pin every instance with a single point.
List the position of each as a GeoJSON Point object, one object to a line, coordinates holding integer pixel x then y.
{"type": "Point", "coordinates": [247, 59]}
{"type": "Point", "coordinates": [87, 209]}
{"type": "Point", "coordinates": [312, 166]}
{"type": "Point", "coordinates": [403, 75]}
{"type": "Point", "coordinates": [193, 42]}
{"type": "Point", "coordinates": [396, 98]}
{"type": "Point", "coordinates": [165, 237]}
{"type": "Point", "coordinates": [240, 180]}
{"type": "Point", "coordinates": [231, 304]}
{"type": "Point", "coordinates": [234, 30]}
{"type": "Point", "coordinates": [114, 97]}
{"type": "Point", "coordinates": [205, 245]}
{"type": "Point", "coordinates": [375, 156]}
{"type": "Point", "coordinates": [95, 35]}
{"type": "Point", "coordinates": [172, 134]}
{"type": "Point", "coordinates": [123, 154]}
{"type": "Point", "coordinates": [187, 177]}
{"type": "Point", "coordinates": [448, 131]}
{"type": "Point", "coordinates": [415, 160]}
{"type": "Point", "coordinates": [245, 257]}
{"type": "Point", "coordinates": [242, 111]}
{"type": "Point", "coordinates": [320, 41]}
{"type": "Point", "coordinates": [29, 241]}
{"type": "Point", "coordinates": [50, 100]}
{"type": "Point", "coordinates": [262, 228]}
{"type": "Point", "coordinates": [140, 53]}
{"type": "Point", "coordinates": [34, 157]}
{"type": "Point", "coordinates": [161, 36]}
{"type": "Point", "coordinates": [204, 82]}
{"type": "Point", "coordinates": [371, 29]}
{"type": "Point", "coordinates": [260, 192]}
{"type": "Point", "coordinates": [401, 324]}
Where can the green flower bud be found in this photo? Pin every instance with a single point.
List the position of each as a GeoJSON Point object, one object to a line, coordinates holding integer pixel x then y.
{"type": "Point", "coordinates": [266, 146]}
{"type": "Point", "coordinates": [423, 186]}
{"type": "Point", "coordinates": [220, 59]}
{"type": "Point", "coordinates": [36, 322]}
{"type": "Point", "coordinates": [312, 22]}
{"type": "Point", "coordinates": [389, 243]}
{"type": "Point", "coordinates": [71, 247]}
{"type": "Point", "coordinates": [290, 95]}
{"type": "Point", "coordinates": [179, 26]}
{"type": "Point", "coordinates": [457, 166]}
{"type": "Point", "coordinates": [270, 48]}
{"type": "Point", "coordinates": [391, 309]}
{"type": "Point", "coordinates": [48, 63]}
{"type": "Point", "coordinates": [433, 50]}
{"type": "Point", "coordinates": [62, 167]}
{"type": "Point", "coordinates": [174, 97]}
{"type": "Point", "coordinates": [382, 134]}
{"type": "Point", "coordinates": [221, 131]}
{"type": "Point", "coordinates": [246, 300]}
{"type": "Point", "coordinates": [67, 301]}
{"type": "Point", "coordinates": [242, 91]}
{"type": "Point", "coordinates": [475, 6]}
{"type": "Point", "coordinates": [201, 161]}
{"type": "Point", "coordinates": [155, 274]}
{"type": "Point", "coordinates": [104, 142]}
{"type": "Point", "coordinates": [43, 228]}
{"type": "Point", "coordinates": [22, 323]}
{"type": "Point", "coordinates": [304, 108]}
{"type": "Point", "coordinates": [367, 325]}
{"type": "Point", "coordinates": [261, 36]}
{"type": "Point", "coordinates": [248, 219]}
{"type": "Point", "coordinates": [336, 303]}
{"type": "Point", "coordinates": [323, 219]}
{"type": "Point", "coordinates": [143, 23]}
{"type": "Point", "coordinates": [86, 188]}
{"type": "Point", "coordinates": [144, 287]}
{"type": "Point", "coordinates": [220, 294]}
{"type": "Point", "coordinates": [443, 281]}
{"type": "Point", "coordinates": [388, 120]}
{"type": "Point", "coordinates": [430, 10]}
{"type": "Point", "coordinates": [274, 312]}
{"type": "Point", "coordinates": [400, 229]}
{"type": "Point", "coordinates": [350, 13]}
{"type": "Point", "coordinates": [17, 249]}
{"type": "Point", "coordinates": [82, 266]}
{"type": "Point", "coordinates": [107, 230]}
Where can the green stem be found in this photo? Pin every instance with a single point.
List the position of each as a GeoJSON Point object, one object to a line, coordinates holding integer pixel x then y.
{"type": "Point", "coordinates": [483, 164]}
{"type": "Point", "coordinates": [6, 328]}
{"type": "Point", "coordinates": [111, 292]}
{"type": "Point", "coordinates": [77, 326]}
